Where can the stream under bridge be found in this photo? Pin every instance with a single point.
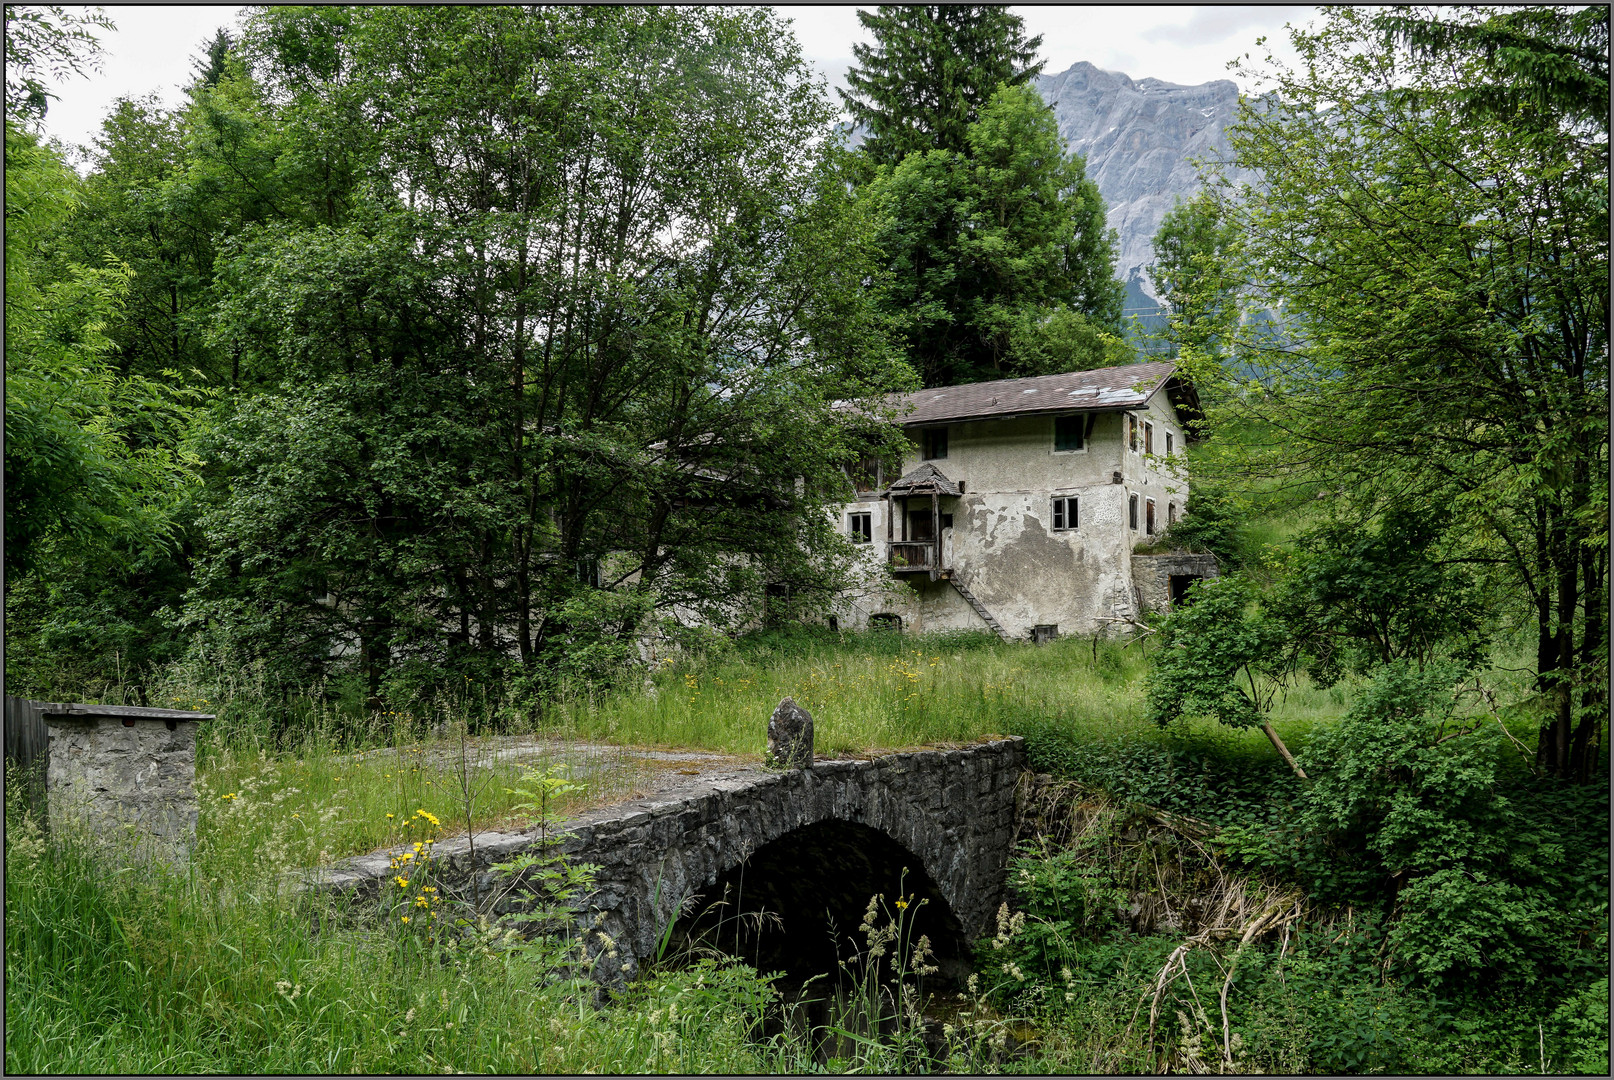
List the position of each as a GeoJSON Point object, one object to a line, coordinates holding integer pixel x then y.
{"type": "Point", "coordinates": [774, 866]}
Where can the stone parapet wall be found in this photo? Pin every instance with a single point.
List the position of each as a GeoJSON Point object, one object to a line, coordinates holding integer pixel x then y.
{"type": "Point", "coordinates": [953, 809]}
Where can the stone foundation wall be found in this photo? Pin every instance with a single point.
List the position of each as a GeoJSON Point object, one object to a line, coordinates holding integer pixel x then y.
{"type": "Point", "coordinates": [1152, 574]}
{"type": "Point", "coordinates": [130, 786]}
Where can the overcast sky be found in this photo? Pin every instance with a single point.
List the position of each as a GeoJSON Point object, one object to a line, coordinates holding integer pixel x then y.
{"type": "Point", "coordinates": [153, 47]}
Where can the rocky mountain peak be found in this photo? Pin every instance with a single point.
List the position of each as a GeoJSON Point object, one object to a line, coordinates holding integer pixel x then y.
{"type": "Point", "coordinates": [1139, 137]}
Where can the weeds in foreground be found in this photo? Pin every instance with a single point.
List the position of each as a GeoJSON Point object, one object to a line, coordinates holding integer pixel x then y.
{"type": "Point", "coordinates": [140, 970]}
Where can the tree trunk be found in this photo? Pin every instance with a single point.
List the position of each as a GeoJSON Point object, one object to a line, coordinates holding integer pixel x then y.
{"type": "Point", "coordinates": [1283, 751]}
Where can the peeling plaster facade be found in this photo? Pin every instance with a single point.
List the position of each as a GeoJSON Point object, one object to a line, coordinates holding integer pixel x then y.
{"type": "Point", "coordinates": [1003, 545]}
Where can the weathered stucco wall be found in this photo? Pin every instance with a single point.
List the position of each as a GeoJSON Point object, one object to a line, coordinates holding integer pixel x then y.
{"type": "Point", "coordinates": [1003, 546]}
{"type": "Point", "coordinates": [131, 787]}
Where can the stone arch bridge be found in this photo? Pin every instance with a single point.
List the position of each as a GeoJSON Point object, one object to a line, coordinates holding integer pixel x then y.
{"type": "Point", "coordinates": [807, 846]}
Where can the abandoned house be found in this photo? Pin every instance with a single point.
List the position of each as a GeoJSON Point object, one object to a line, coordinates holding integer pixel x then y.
{"type": "Point", "coordinates": [1019, 503]}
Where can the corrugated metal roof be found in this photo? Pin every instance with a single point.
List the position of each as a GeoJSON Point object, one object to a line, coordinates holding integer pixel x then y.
{"type": "Point", "coordinates": [1129, 386]}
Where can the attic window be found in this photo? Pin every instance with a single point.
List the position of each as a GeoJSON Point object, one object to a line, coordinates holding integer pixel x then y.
{"type": "Point", "coordinates": [1067, 433]}
{"type": "Point", "coordinates": [1148, 437]}
{"type": "Point", "coordinates": [1132, 434]}
{"type": "Point", "coordinates": [866, 474]}
{"type": "Point", "coordinates": [860, 527]}
{"type": "Point", "coordinates": [1065, 515]}
{"type": "Point", "coordinates": [935, 443]}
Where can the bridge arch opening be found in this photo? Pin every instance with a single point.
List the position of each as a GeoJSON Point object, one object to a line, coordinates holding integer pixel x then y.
{"type": "Point", "coordinates": [795, 905]}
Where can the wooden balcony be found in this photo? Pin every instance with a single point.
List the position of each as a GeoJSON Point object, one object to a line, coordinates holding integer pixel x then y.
{"type": "Point", "coordinates": [914, 556]}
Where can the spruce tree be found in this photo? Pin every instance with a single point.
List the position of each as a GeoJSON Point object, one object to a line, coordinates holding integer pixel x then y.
{"type": "Point", "coordinates": [932, 69]}
{"type": "Point", "coordinates": [209, 67]}
{"type": "Point", "coordinates": [999, 257]}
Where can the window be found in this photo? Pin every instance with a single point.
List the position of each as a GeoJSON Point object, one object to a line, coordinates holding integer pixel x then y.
{"type": "Point", "coordinates": [1148, 437]}
{"type": "Point", "coordinates": [860, 527]}
{"type": "Point", "coordinates": [947, 521]}
{"type": "Point", "coordinates": [1171, 511]}
{"type": "Point", "coordinates": [1132, 510]}
{"type": "Point", "coordinates": [935, 442]}
{"type": "Point", "coordinates": [588, 572]}
{"type": "Point", "coordinates": [885, 620]}
{"type": "Point", "coordinates": [1168, 444]}
{"type": "Point", "coordinates": [1131, 431]}
{"type": "Point", "coordinates": [1148, 517]}
{"type": "Point", "coordinates": [1065, 516]}
{"type": "Point", "coordinates": [1067, 433]}
{"type": "Point", "coordinates": [866, 474]}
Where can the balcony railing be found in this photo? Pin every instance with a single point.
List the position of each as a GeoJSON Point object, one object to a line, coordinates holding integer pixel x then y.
{"type": "Point", "coordinates": [909, 556]}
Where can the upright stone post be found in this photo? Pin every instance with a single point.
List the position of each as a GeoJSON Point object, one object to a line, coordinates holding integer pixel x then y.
{"type": "Point", "coordinates": [124, 775]}
{"type": "Point", "coordinates": [790, 736]}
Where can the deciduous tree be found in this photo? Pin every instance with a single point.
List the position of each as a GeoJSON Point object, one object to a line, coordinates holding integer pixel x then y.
{"type": "Point", "coordinates": [565, 351]}
{"type": "Point", "coordinates": [1439, 257]}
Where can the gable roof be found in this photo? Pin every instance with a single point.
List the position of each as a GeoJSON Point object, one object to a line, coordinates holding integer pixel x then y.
{"type": "Point", "coordinates": [1129, 386]}
{"type": "Point", "coordinates": [923, 481]}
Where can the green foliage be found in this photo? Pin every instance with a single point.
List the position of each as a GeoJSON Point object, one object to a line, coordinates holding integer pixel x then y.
{"type": "Point", "coordinates": [1213, 521]}
{"type": "Point", "coordinates": [1221, 656]}
{"type": "Point", "coordinates": [1408, 790]}
{"type": "Point", "coordinates": [97, 468]}
{"type": "Point", "coordinates": [1000, 263]}
{"type": "Point", "coordinates": [930, 72]}
{"type": "Point", "coordinates": [46, 42]}
{"type": "Point", "coordinates": [1353, 988]}
{"type": "Point", "coordinates": [1190, 273]}
{"type": "Point", "coordinates": [1441, 334]}
{"type": "Point", "coordinates": [504, 483]}
{"type": "Point", "coordinates": [1187, 773]}
{"type": "Point", "coordinates": [1540, 61]}
{"type": "Point", "coordinates": [1387, 773]}
{"type": "Point", "coordinates": [1049, 342]}
{"type": "Point", "coordinates": [1370, 594]}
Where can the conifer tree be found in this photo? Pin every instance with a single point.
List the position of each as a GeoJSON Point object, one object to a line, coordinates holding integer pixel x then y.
{"type": "Point", "coordinates": [932, 69]}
